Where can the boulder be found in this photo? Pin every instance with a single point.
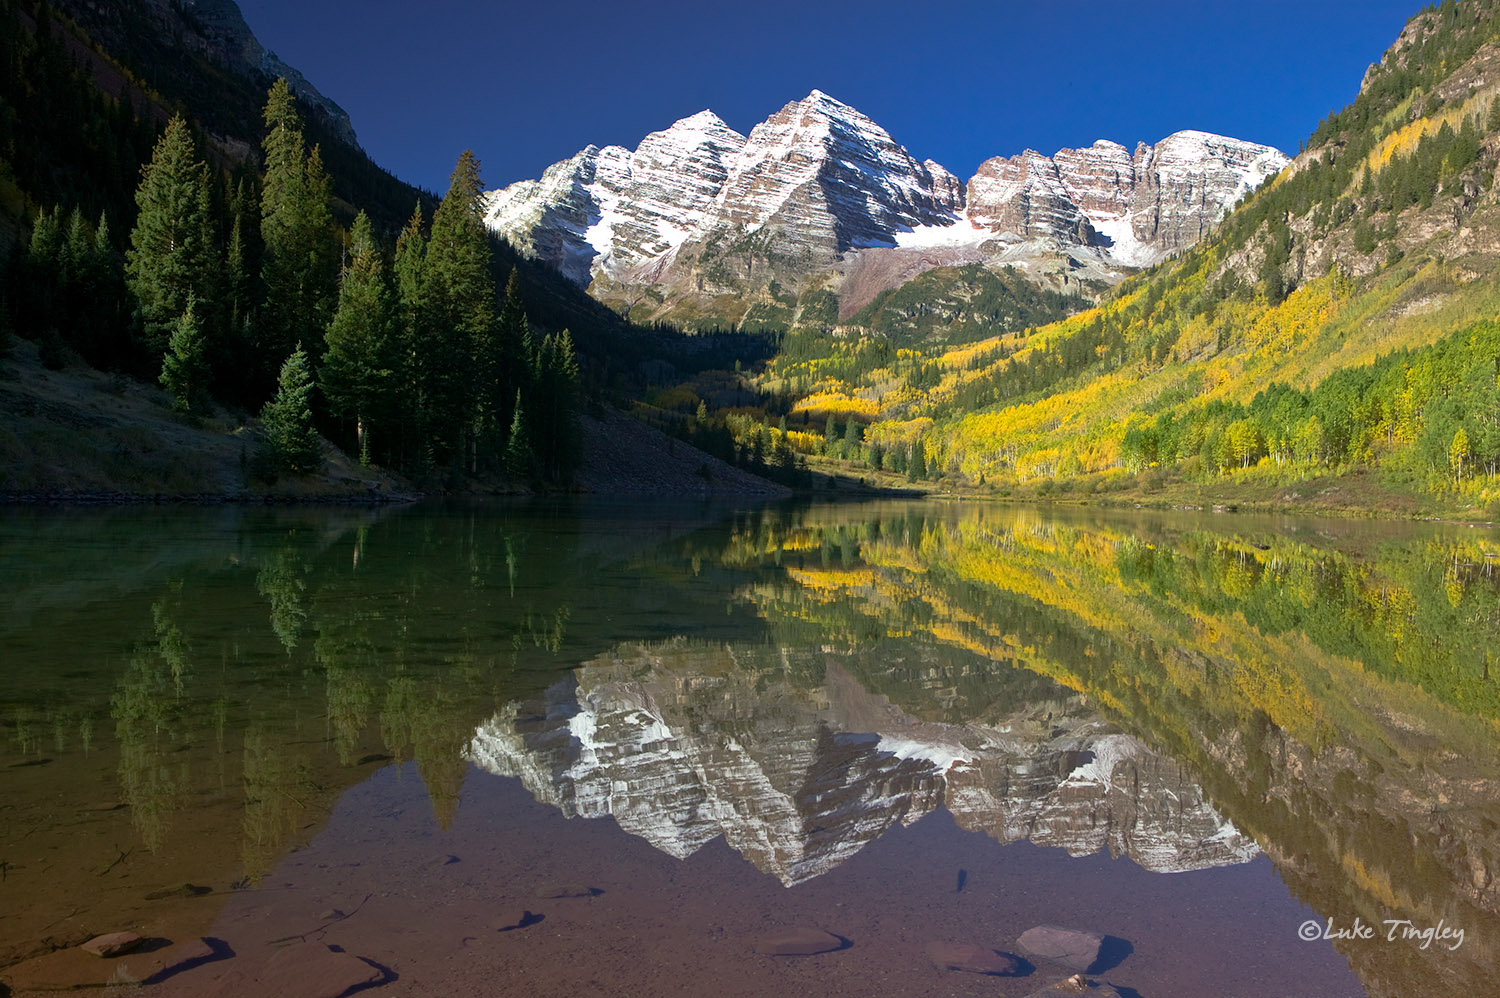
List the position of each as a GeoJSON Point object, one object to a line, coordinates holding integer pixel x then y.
{"type": "Point", "coordinates": [1072, 948]}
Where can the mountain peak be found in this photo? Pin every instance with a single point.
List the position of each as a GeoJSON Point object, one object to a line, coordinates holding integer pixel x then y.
{"type": "Point", "coordinates": [704, 120]}
{"type": "Point", "coordinates": [828, 104]}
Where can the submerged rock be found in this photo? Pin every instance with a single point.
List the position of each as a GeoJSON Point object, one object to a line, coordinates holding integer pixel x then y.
{"type": "Point", "coordinates": [312, 970]}
{"type": "Point", "coordinates": [514, 918]}
{"type": "Point", "coordinates": [548, 891]}
{"type": "Point", "coordinates": [797, 941]}
{"type": "Point", "coordinates": [180, 891]}
{"type": "Point", "coordinates": [112, 944]}
{"type": "Point", "coordinates": [1077, 985]}
{"type": "Point", "coordinates": [1070, 947]}
{"type": "Point", "coordinates": [973, 959]}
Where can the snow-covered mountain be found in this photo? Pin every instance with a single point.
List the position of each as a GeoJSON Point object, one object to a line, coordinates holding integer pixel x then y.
{"type": "Point", "coordinates": [798, 780]}
{"type": "Point", "coordinates": [699, 209]}
{"type": "Point", "coordinates": [613, 208]}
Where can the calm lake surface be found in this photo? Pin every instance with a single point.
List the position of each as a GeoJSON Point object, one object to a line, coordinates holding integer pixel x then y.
{"type": "Point", "coordinates": [563, 749]}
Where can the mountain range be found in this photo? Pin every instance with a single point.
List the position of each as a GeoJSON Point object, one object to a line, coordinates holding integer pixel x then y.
{"type": "Point", "coordinates": [819, 196]}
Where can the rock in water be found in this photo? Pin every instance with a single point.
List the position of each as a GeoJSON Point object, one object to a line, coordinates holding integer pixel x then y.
{"type": "Point", "coordinates": [112, 944]}
{"type": "Point", "coordinates": [797, 941]}
{"type": "Point", "coordinates": [514, 918]}
{"type": "Point", "coordinates": [312, 970]}
{"type": "Point", "coordinates": [180, 891]}
{"type": "Point", "coordinates": [1077, 985]}
{"type": "Point", "coordinates": [972, 959]}
{"type": "Point", "coordinates": [1069, 947]}
{"type": "Point", "coordinates": [548, 891]}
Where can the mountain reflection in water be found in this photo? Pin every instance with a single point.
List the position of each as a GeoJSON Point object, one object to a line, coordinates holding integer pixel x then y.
{"type": "Point", "coordinates": [189, 693]}
{"type": "Point", "coordinates": [682, 744]}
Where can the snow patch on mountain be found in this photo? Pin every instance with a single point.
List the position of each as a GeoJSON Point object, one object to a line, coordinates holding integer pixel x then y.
{"type": "Point", "coordinates": [960, 232]}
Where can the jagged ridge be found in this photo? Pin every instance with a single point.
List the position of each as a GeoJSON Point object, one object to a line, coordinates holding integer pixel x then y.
{"type": "Point", "coordinates": [700, 209]}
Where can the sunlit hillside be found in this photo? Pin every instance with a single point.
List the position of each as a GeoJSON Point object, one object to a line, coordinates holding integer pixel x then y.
{"type": "Point", "coordinates": [1340, 320]}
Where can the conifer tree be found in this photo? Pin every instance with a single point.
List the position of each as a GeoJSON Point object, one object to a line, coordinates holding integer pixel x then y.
{"type": "Point", "coordinates": [171, 255]}
{"type": "Point", "coordinates": [357, 370]}
{"type": "Point", "coordinates": [184, 368]}
{"type": "Point", "coordinates": [459, 362]}
{"type": "Point", "coordinates": [518, 456]}
{"type": "Point", "coordinates": [299, 261]}
{"type": "Point", "coordinates": [514, 347]}
{"type": "Point", "coordinates": [412, 314]}
{"type": "Point", "coordinates": [288, 418]}
{"type": "Point", "coordinates": [106, 297]}
{"type": "Point", "coordinates": [555, 434]}
{"type": "Point", "coordinates": [37, 296]}
{"type": "Point", "coordinates": [916, 467]}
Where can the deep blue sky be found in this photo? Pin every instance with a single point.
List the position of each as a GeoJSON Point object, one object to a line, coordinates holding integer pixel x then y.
{"type": "Point", "coordinates": [527, 84]}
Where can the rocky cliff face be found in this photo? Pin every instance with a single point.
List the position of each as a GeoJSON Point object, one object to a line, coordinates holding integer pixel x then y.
{"type": "Point", "coordinates": [698, 209]}
{"type": "Point", "coordinates": [613, 209]}
{"type": "Point", "coordinates": [213, 29]}
{"type": "Point", "coordinates": [823, 174]}
{"type": "Point", "coordinates": [798, 780]}
{"type": "Point", "coordinates": [231, 39]}
{"type": "Point", "coordinates": [1134, 209]}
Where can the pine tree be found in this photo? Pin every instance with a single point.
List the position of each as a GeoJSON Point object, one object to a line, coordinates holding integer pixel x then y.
{"type": "Point", "coordinates": [184, 368]}
{"type": "Point", "coordinates": [37, 298]}
{"type": "Point", "coordinates": [460, 362]}
{"type": "Point", "coordinates": [300, 261]}
{"type": "Point", "coordinates": [357, 371]}
{"type": "Point", "coordinates": [514, 347]}
{"type": "Point", "coordinates": [107, 297]}
{"type": "Point", "coordinates": [555, 438]}
{"type": "Point", "coordinates": [288, 418]}
{"type": "Point", "coordinates": [518, 454]}
{"type": "Point", "coordinates": [412, 321]}
{"type": "Point", "coordinates": [171, 255]}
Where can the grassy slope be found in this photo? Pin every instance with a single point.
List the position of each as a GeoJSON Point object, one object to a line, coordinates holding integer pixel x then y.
{"type": "Point", "coordinates": [80, 432]}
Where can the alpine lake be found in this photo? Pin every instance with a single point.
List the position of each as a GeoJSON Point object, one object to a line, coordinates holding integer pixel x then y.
{"type": "Point", "coordinates": [575, 748]}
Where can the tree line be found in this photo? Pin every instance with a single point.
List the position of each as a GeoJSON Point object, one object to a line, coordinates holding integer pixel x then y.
{"type": "Point", "coordinates": [240, 288]}
{"type": "Point", "coordinates": [1432, 414]}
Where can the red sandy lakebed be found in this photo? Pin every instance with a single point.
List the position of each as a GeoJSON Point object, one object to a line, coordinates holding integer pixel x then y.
{"type": "Point", "coordinates": [477, 910]}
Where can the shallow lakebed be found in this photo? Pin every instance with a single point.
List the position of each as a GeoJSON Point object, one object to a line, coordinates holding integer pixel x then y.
{"type": "Point", "coordinates": [562, 748]}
